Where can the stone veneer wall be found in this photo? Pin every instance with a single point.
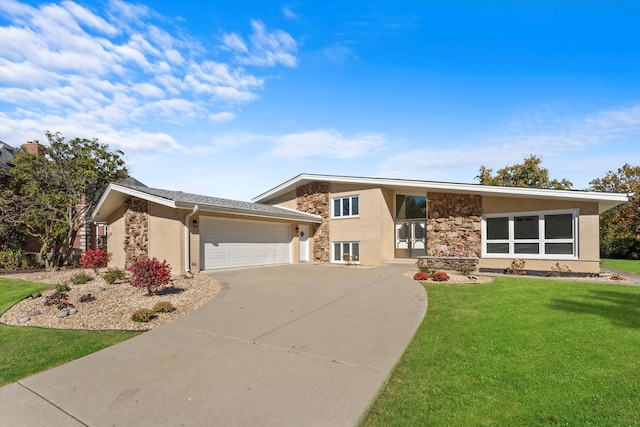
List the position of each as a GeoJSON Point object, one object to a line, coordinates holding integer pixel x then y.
{"type": "Point", "coordinates": [136, 230]}
{"type": "Point", "coordinates": [454, 224]}
{"type": "Point", "coordinates": [313, 198]}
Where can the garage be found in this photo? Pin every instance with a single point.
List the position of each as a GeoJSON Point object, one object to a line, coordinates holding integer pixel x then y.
{"type": "Point", "coordinates": [230, 243]}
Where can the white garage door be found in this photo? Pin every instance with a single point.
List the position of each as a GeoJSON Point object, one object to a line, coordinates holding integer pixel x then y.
{"type": "Point", "coordinates": [228, 243]}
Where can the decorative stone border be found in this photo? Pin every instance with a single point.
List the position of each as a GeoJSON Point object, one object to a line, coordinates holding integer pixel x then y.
{"type": "Point", "coordinates": [448, 263]}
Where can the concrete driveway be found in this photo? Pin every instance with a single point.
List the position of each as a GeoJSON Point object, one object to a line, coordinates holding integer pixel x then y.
{"type": "Point", "coordinates": [296, 345]}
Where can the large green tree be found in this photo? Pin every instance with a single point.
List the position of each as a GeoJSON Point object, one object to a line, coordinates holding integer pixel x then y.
{"type": "Point", "coordinates": [620, 226]}
{"type": "Point", "coordinates": [59, 187]}
{"type": "Point", "coordinates": [530, 173]}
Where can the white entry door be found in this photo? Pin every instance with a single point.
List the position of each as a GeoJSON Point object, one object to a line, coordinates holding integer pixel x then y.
{"type": "Point", "coordinates": [228, 243]}
{"type": "Point", "coordinates": [303, 234]}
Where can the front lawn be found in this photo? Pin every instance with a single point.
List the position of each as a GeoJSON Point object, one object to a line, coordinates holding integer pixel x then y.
{"type": "Point", "coordinates": [519, 351]}
{"type": "Point", "coordinates": [26, 351]}
{"type": "Point", "coordinates": [622, 264]}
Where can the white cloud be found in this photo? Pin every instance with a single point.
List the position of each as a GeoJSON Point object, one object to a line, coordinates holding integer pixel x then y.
{"type": "Point", "coordinates": [266, 48]}
{"type": "Point", "coordinates": [222, 117]}
{"type": "Point", "coordinates": [119, 71]}
{"type": "Point", "coordinates": [320, 143]}
{"type": "Point", "coordinates": [550, 139]}
{"type": "Point", "coordinates": [289, 13]}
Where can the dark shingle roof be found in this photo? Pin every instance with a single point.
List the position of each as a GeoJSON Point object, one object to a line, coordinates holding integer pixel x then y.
{"type": "Point", "coordinates": [204, 202]}
{"type": "Point", "coordinates": [7, 153]}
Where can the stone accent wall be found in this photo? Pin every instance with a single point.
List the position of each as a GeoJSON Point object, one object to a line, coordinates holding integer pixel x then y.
{"type": "Point", "coordinates": [313, 198]}
{"type": "Point", "coordinates": [448, 263]}
{"type": "Point", "coordinates": [454, 224]}
{"type": "Point", "coordinates": [136, 230]}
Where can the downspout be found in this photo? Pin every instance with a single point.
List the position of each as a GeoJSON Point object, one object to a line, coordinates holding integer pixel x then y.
{"type": "Point", "coordinates": [187, 246]}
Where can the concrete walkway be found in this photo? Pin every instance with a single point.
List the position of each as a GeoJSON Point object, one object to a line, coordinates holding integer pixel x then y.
{"type": "Point", "coordinates": [298, 345]}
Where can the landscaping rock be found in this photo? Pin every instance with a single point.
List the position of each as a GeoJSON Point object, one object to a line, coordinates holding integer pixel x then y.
{"type": "Point", "coordinates": [36, 295]}
{"type": "Point", "coordinates": [24, 319]}
{"type": "Point", "coordinates": [73, 310]}
{"type": "Point", "coordinates": [34, 312]}
{"type": "Point", "coordinates": [63, 313]}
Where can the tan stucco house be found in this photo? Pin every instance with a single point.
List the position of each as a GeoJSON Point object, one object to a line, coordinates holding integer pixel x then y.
{"type": "Point", "coordinates": [343, 219]}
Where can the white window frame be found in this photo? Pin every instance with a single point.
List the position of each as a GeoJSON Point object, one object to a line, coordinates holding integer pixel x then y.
{"type": "Point", "coordinates": [342, 199]}
{"type": "Point", "coordinates": [349, 245]}
{"type": "Point", "coordinates": [541, 240]}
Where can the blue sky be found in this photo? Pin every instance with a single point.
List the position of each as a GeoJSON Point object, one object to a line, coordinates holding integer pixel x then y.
{"type": "Point", "coordinates": [231, 98]}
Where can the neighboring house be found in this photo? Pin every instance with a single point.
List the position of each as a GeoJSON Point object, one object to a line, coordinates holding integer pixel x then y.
{"type": "Point", "coordinates": [341, 219]}
{"type": "Point", "coordinates": [194, 232]}
{"type": "Point", "coordinates": [90, 235]}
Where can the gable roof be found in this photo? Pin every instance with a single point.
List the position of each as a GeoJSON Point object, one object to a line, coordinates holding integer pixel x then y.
{"type": "Point", "coordinates": [605, 200]}
{"type": "Point", "coordinates": [7, 153]}
{"type": "Point", "coordinates": [116, 194]}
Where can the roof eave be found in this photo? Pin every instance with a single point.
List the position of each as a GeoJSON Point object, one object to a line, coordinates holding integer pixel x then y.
{"type": "Point", "coordinates": [300, 216]}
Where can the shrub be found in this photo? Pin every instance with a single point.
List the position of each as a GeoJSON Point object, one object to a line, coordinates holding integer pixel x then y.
{"type": "Point", "coordinates": [81, 278]}
{"type": "Point", "coordinates": [114, 275]}
{"type": "Point", "coordinates": [517, 267]}
{"type": "Point", "coordinates": [142, 315]}
{"type": "Point", "coordinates": [163, 307]}
{"type": "Point", "coordinates": [560, 270]}
{"type": "Point", "coordinates": [63, 288]}
{"type": "Point", "coordinates": [421, 275]}
{"type": "Point", "coordinates": [440, 276]}
{"type": "Point", "coordinates": [465, 269]}
{"type": "Point", "coordinates": [150, 274]}
{"type": "Point", "coordinates": [95, 259]}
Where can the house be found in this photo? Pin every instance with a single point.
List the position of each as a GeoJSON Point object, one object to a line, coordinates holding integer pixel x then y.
{"type": "Point", "coordinates": [343, 219]}
{"type": "Point", "coordinates": [375, 220]}
{"type": "Point", "coordinates": [194, 232]}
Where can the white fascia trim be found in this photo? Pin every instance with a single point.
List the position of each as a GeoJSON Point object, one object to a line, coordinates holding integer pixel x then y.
{"type": "Point", "coordinates": [130, 192]}
{"type": "Point", "coordinates": [433, 185]}
{"type": "Point", "coordinates": [243, 212]}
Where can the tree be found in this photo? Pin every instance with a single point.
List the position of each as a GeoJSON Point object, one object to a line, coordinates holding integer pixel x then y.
{"type": "Point", "coordinates": [528, 174]}
{"type": "Point", "coordinates": [620, 226]}
{"type": "Point", "coordinates": [60, 186]}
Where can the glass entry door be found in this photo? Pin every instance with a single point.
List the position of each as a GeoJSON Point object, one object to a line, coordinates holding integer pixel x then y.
{"type": "Point", "coordinates": [410, 224]}
{"type": "Point", "coordinates": [411, 239]}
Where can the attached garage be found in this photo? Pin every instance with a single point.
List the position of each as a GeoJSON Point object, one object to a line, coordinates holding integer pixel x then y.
{"type": "Point", "coordinates": [230, 243]}
{"type": "Point", "coordinates": [193, 232]}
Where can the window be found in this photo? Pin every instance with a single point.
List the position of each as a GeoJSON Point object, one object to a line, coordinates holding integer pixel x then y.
{"type": "Point", "coordinates": [346, 252]}
{"type": "Point", "coordinates": [531, 235]}
{"type": "Point", "coordinates": [411, 207]}
{"type": "Point", "coordinates": [346, 206]}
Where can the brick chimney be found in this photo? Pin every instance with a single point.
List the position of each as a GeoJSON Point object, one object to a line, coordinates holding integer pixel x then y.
{"type": "Point", "coordinates": [32, 147]}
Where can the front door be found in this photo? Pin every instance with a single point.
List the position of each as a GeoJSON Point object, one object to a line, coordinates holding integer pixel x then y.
{"type": "Point", "coordinates": [410, 226]}
{"type": "Point", "coordinates": [411, 239]}
{"type": "Point", "coordinates": [303, 234]}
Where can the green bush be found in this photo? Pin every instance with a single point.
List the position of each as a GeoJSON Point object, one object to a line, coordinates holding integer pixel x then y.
{"type": "Point", "coordinates": [63, 288]}
{"type": "Point", "coordinates": [163, 307]}
{"type": "Point", "coordinates": [142, 315]}
{"type": "Point", "coordinates": [81, 278]}
{"type": "Point", "coordinates": [114, 275]}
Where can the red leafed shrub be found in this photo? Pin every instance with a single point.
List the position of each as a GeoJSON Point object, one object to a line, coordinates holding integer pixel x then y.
{"type": "Point", "coordinates": [95, 258]}
{"type": "Point", "coordinates": [440, 276]}
{"type": "Point", "coordinates": [150, 274]}
{"type": "Point", "coordinates": [421, 275]}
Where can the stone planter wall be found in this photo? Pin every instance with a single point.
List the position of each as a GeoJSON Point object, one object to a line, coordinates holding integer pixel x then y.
{"type": "Point", "coordinates": [136, 230]}
{"type": "Point", "coordinates": [454, 224]}
{"type": "Point", "coordinates": [313, 198]}
{"type": "Point", "coordinates": [447, 263]}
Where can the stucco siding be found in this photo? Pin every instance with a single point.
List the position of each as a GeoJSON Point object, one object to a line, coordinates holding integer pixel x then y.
{"type": "Point", "coordinates": [368, 227]}
{"type": "Point", "coordinates": [166, 236]}
{"type": "Point", "coordinates": [115, 238]}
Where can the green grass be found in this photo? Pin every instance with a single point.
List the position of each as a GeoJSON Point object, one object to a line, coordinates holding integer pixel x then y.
{"type": "Point", "coordinates": [622, 264]}
{"type": "Point", "coordinates": [519, 352]}
{"type": "Point", "coordinates": [26, 351]}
